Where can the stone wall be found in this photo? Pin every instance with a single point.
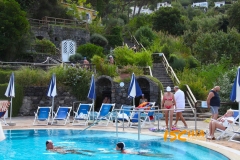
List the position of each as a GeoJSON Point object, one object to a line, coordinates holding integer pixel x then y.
{"type": "Point", "coordinates": [57, 34]}
{"type": "Point", "coordinates": [105, 86]}
{"type": "Point", "coordinates": [37, 96]}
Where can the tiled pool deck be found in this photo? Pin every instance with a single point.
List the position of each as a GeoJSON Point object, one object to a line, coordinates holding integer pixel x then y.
{"type": "Point", "coordinates": [228, 148]}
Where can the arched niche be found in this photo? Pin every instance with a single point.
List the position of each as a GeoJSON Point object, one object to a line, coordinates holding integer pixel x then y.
{"type": "Point", "coordinates": [145, 87]}
{"type": "Point", "coordinates": [103, 90]}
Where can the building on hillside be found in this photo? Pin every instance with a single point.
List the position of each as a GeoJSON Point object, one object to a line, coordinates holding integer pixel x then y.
{"type": "Point", "coordinates": [200, 4]}
{"type": "Point", "coordinates": [90, 13]}
{"type": "Point", "coordinates": [147, 10]}
{"type": "Point", "coordinates": [219, 4]}
{"type": "Point", "coordinates": [164, 4]}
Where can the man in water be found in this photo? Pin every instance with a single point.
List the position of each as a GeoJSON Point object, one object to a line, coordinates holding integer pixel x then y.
{"type": "Point", "coordinates": [50, 147]}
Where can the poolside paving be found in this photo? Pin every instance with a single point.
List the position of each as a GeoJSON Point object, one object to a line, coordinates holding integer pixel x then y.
{"type": "Point", "coordinates": [26, 122]}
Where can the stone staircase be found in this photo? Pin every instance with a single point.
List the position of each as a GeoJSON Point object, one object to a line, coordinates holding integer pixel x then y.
{"type": "Point", "coordinates": [160, 73]}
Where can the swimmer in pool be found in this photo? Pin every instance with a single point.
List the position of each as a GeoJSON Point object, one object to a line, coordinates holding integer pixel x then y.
{"type": "Point", "coordinates": [62, 150]}
{"type": "Point", "coordinates": [120, 147]}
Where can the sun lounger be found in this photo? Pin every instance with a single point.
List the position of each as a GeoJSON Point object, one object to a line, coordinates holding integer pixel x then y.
{"type": "Point", "coordinates": [82, 115]}
{"type": "Point", "coordinates": [42, 115]}
{"type": "Point", "coordinates": [62, 114]}
{"type": "Point", "coordinates": [105, 113]}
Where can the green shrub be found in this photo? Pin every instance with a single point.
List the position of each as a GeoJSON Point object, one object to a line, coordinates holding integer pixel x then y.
{"type": "Point", "coordinates": [114, 36]}
{"type": "Point", "coordinates": [16, 101]}
{"type": "Point", "coordinates": [103, 67]}
{"type": "Point", "coordinates": [45, 46]}
{"type": "Point", "coordinates": [31, 77]}
{"type": "Point", "coordinates": [4, 74]}
{"type": "Point", "coordinates": [192, 62]}
{"type": "Point", "coordinates": [131, 69]}
{"type": "Point", "coordinates": [79, 81]}
{"type": "Point", "coordinates": [125, 56]}
{"type": "Point", "coordinates": [177, 62]}
{"type": "Point", "coordinates": [75, 58]}
{"type": "Point", "coordinates": [88, 50]}
{"type": "Point", "coordinates": [145, 35]}
{"type": "Point", "coordinates": [98, 39]}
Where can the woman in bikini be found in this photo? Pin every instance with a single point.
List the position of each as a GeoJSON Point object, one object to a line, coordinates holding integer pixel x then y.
{"type": "Point", "coordinates": [168, 102]}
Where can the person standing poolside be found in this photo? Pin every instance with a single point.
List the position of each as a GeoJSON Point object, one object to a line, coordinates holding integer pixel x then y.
{"type": "Point", "coordinates": [213, 101]}
{"type": "Point", "coordinates": [168, 102]}
{"type": "Point", "coordinates": [180, 103]}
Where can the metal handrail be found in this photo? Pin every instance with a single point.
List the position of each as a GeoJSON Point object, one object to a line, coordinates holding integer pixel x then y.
{"type": "Point", "coordinates": [139, 126]}
{"type": "Point", "coordinates": [150, 71]}
{"type": "Point", "coordinates": [190, 97]}
{"type": "Point", "coordinates": [169, 70]}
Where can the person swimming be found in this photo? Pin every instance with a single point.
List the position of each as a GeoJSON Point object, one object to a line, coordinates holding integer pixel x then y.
{"type": "Point", "coordinates": [62, 150]}
{"type": "Point", "coordinates": [120, 146]}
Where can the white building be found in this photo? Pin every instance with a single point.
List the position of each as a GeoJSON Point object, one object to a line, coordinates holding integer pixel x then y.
{"type": "Point", "coordinates": [219, 4]}
{"type": "Point", "coordinates": [147, 10]}
{"type": "Point", "coordinates": [200, 4]}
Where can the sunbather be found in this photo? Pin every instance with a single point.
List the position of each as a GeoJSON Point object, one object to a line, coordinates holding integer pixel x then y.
{"type": "Point", "coordinates": [221, 123]}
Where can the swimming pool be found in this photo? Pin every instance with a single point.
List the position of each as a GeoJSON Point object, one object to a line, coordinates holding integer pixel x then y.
{"type": "Point", "coordinates": [30, 144]}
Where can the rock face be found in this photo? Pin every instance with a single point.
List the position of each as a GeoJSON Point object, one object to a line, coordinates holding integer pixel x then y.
{"type": "Point", "coordinates": [105, 87]}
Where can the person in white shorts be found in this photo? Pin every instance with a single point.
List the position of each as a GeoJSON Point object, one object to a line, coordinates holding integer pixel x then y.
{"type": "Point", "coordinates": [180, 105]}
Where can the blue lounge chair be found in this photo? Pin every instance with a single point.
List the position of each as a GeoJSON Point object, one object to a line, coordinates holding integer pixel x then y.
{"type": "Point", "coordinates": [124, 115]}
{"type": "Point", "coordinates": [147, 119]}
{"type": "Point", "coordinates": [105, 113]}
{"type": "Point", "coordinates": [43, 115]}
{"type": "Point", "coordinates": [82, 115]}
{"type": "Point", "coordinates": [62, 114]}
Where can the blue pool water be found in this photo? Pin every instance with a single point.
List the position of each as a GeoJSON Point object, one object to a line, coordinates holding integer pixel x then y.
{"type": "Point", "coordinates": [30, 144]}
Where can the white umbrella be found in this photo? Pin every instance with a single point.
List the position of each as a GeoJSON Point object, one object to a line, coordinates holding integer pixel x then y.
{"type": "Point", "coordinates": [134, 89]}
{"type": "Point", "coordinates": [235, 93]}
{"type": "Point", "coordinates": [10, 92]}
{"type": "Point", "coordinates": [52, 90]}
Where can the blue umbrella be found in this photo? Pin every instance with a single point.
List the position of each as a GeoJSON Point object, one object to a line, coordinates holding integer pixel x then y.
{"type": "Point", "coordinates": [91, 93]}
{"type": "Point", "coordinates": [235, 93]}
{"type": "Point", "coordinates": [10, 92]}
{"type": "Point", "coordinates": [134, 89]}
{"type": "Point", "coordinates": [52, 90]}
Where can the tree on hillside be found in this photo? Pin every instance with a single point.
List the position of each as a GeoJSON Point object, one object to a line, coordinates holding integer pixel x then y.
{"type": "Point", "coordinates": [234, 15]}
{"type": "Point", "coordinates": [13, 28]}
{"type": "Point", "coordinates": [168, 20]}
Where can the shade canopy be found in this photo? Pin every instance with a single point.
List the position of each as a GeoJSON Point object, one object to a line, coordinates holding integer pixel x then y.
{"type": "Point", "coordinates": [134, 89]}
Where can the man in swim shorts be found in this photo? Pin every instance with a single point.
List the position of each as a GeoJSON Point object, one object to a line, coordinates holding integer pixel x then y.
{"type": "Point", "coordinates": [213, 101]}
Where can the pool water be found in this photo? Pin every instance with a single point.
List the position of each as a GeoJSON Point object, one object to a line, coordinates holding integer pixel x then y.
{"type": "Point", "coordinates": [30, 144]}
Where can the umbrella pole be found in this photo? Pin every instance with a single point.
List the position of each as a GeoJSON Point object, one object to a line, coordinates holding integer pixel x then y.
{"type": "Point", "coordinates": [11, 111]}
{"type": "Point", "coordinates": [239, 114]}
{"type": "Point", "coordinates": [93, 108]}
{"type": "Point", "coordinates": [134, 102]}
{"type": "Point", "coordinates": [52, 107]}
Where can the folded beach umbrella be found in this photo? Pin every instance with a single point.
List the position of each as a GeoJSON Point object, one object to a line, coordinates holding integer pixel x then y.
{"type": "Point", "coordinates": [235, 93]}
{"type": "Point", "coordinates": [10, 92]}
{"type": "Point", "coordinates": [91, 93]}
{"type": "Point", "coordinates": [134, 89]}
{"type": "Point", "coordinates": [52, 90]}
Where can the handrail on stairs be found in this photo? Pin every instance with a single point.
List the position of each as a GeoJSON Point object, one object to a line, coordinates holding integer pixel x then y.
{"type": "Point", "coordinates": [189, 95]}
{"type": "Point", "coordinates": [169, 70]}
